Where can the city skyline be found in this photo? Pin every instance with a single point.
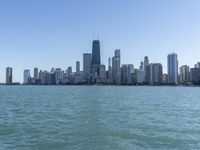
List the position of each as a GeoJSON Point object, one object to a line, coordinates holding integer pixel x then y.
{"type": "Point", "coordinates": [86, 69]}
{"type": "Point", "coordinates": [91, 67]}
{"type": "Point", "coordinates": [95, 72]}
{"type": "Point", "coordinates": [47, 34]}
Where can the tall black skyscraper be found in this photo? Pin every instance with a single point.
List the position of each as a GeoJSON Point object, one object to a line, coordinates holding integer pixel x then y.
{"type": "Point", "coordinates": [96, 60]}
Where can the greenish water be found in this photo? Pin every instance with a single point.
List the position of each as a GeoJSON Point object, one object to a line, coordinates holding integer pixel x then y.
{"type": "Point", "coordinates": [99, 118]}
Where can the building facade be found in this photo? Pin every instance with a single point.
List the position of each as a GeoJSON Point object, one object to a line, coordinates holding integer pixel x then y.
{"type": "Point", "coordinates": [184, 74]}
{"type": "Point", "coordinates": [69, 71]}
{"type": "Point", "coordinates": [87, 63]}
{"type": "Point", "coordinates": [154, 74]}
{"type": "Point", "coordinates": [130, 72]}
{"type": "Point", "coordinates": [195, 74]}
{"type": "Point", "coordinates": [109, 75]}
{"type": "Point", "coordinates": [27, 76]}
{"type": "Point", "coordinates": [78, 70]}
{"type": "Point", "coordinates": [96, 58]}
{"type": "Point", "coordinates": [116, 67]}
{"type": "Point", "coordinates": [8, 75]}
{"type": "Point", "coordinates": [102, 74]}
{"type": "Point", "coordinates": [124, 74]}
{"type": "Point", "coordinates": [172, 68]}
{"type": "Point", "coordinates": [59, 76]}
{"type": "Point", "coordinates": [146, 63]}
{"type": "Point", "coordinates": [157, 73]}
{"type": "Point", "coordinates": [35, 72]}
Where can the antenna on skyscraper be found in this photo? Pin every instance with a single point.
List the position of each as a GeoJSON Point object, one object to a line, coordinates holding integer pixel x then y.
{"type": "Point", "coordinates": [97, 36]}
{"type": "Point", "coordinates": [93, 33]}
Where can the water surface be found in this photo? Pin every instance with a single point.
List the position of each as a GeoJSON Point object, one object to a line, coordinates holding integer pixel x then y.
{"type": "Point", "coordinates": [99, 118]}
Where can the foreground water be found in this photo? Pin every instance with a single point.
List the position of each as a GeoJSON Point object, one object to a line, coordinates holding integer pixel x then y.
{"type": "Point", "coordinates": [99, 118]}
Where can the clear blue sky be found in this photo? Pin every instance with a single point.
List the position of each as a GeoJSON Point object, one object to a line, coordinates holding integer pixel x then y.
{"type": "Point", "coordinates": [55, 33]}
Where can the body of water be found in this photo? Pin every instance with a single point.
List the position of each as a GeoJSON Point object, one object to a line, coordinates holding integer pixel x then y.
{"type": "Point", "coordinates": [99, 118]}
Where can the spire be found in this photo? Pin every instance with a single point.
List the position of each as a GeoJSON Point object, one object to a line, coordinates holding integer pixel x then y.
{"type": "Point", "coordinates": [97, 36]}
{"type": "Point", "coordinates": [94, 34]}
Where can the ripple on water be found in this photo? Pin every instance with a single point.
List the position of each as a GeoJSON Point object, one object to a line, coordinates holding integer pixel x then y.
{"type": "Point", "coordinates": [99, 117]}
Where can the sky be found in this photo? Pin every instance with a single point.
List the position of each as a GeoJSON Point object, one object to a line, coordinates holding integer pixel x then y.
{"type": "Point", "coordinates": [56, 33]}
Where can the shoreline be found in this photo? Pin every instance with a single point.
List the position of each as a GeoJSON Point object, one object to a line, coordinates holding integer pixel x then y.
{"type": "Point", "coordinates": [101, 85]}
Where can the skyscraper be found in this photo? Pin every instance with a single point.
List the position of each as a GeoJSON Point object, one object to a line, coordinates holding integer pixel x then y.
{"type": "Point", "coordinates": [69, 71]}
{"type": "Point", "coordinates": [149, 74]}
{"type": "Point", "coordinates": [130, 72]}
{"type": "Point", "coordinates": [102, 73]}
{"type": "Point", "coordinates": [8, 75]}
{"type": "Point", "coordinates": [141, 73]}
{"type": "Point", "coordinates": [109, 70]}
{"type": "Point", "coordinates": [116, 70]}
{"type": "Point", "coordinates": [59, 76]}
{"type": "Point", "coordinates": [135, 76]}
{"type": "Point", "coordinates": [141, 65]}
{"type": "Point", "coordinates": [40, 75]}
{"type": "Point", "coordinates": [27, 76]}
{"type": "Point", "coordinates": [184, 74]}
{"type": "Point", "coordinates": [140, 76]}
{"type": "Point", "coordinates": [96, 59]}
{"type": "Point", "coordinates": [35, 73]}
{"type": "Point", "coordinates": [146, 63]}
{"type": "Point", "coordinates": [44, 77]}
{"type": "Point", "coordinates": [157, 73]}
{"type": "Point", "coordinates": [51, 76]}
{"type": "Point", "coordinates": [87, 63]}
{"type": "Point", "coordinates": [195, 75]}
{"type": "Point", "coordinates": [124, 74]}
{"type": "Point", "coordinates": [172, 68]}
{"type": "Point", "coordinates": [77, 67]}
{"type": "Point", "coordinates": [154, 74]}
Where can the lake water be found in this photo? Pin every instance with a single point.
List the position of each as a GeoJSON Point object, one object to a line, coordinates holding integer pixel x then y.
{"type": "Point", "coordinates": [99, 118]}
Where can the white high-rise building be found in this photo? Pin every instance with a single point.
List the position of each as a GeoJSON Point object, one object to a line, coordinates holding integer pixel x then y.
{"type": "Point", "coordinates": [26, 76]}
{"type": "Point", "coordinates": [172, 68]}
{"type": "Point", "coordinates": [184, 74]}
{"type": "Point", "coordinates": [116, 67]}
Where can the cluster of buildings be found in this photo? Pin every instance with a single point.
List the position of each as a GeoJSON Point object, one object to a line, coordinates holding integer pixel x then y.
{"type": "Point", "coordinates": [116, 74]}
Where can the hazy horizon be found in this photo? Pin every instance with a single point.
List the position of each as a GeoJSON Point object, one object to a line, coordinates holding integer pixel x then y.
{"type": "Point", "coordinates": [51, 33]}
